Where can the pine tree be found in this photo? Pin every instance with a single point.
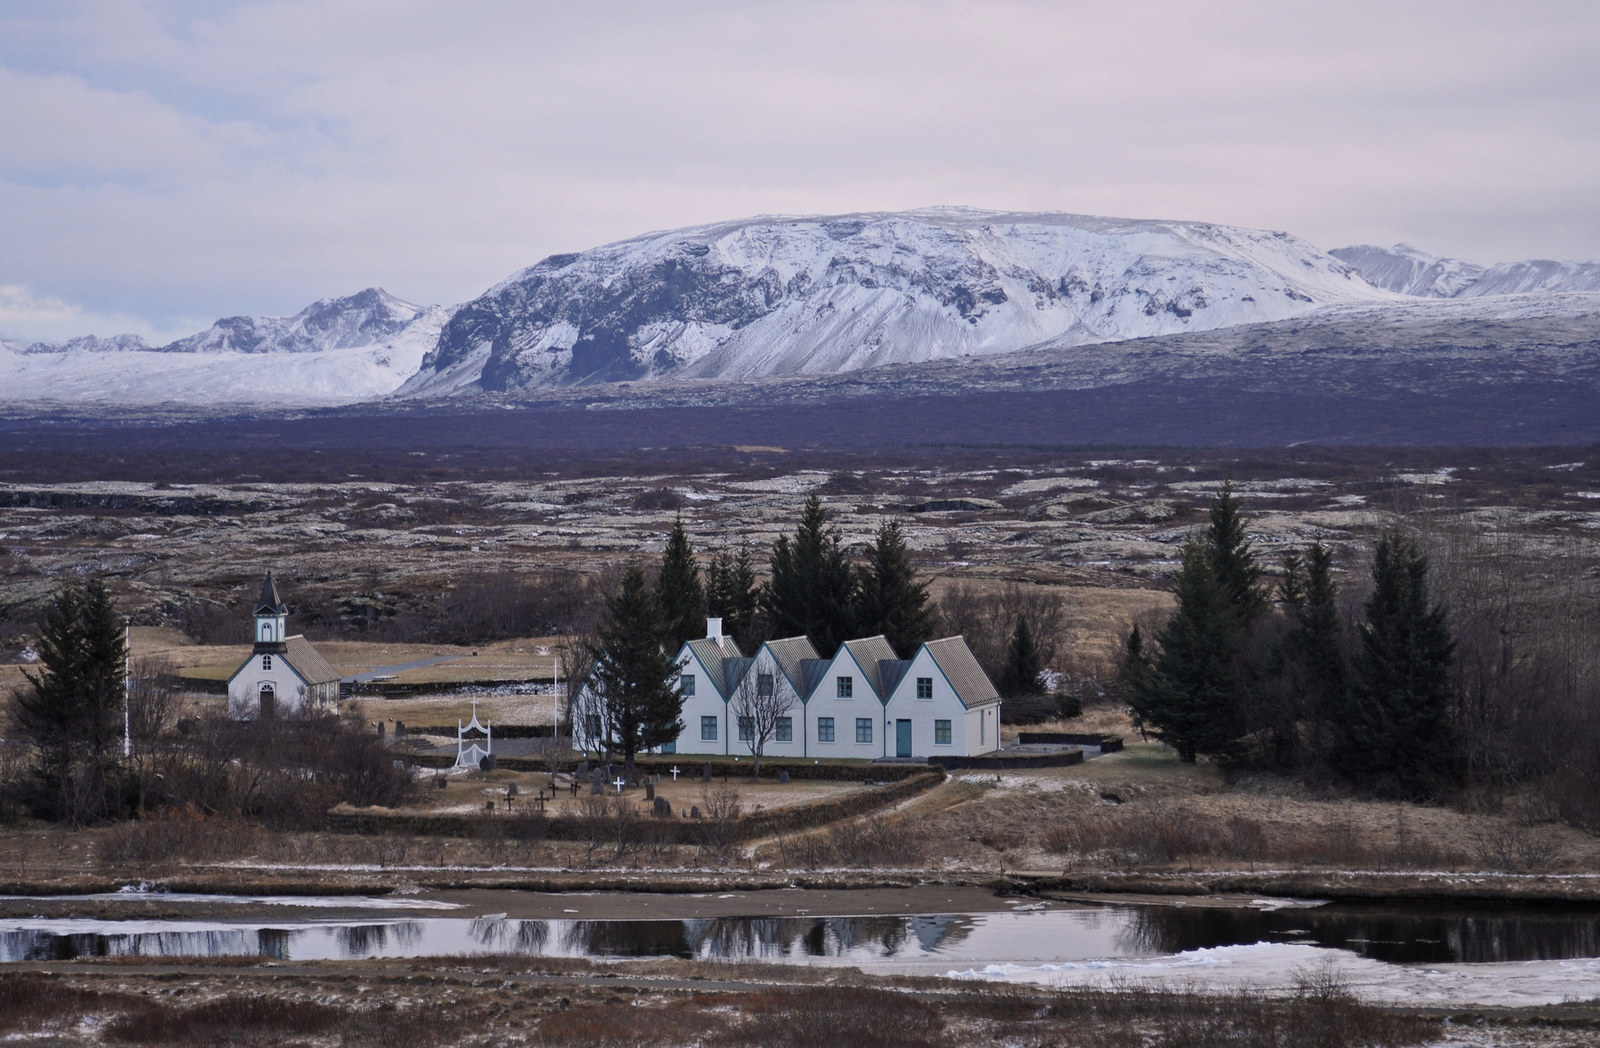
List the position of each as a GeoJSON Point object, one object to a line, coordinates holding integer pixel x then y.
{"type": "Point", "coordinates": [73, 711]}
{"type": "Point", "coordinates": [683, 597]}
{"type": "Point", "coordinates": [890, 599]}
{"type": "Point", "coordinates": [1185, 694]}
{"type": "Point", "coordinates": [634, 675]}
{"type": "Point", "coordinates": [732, 594]}
{"type": "Point", "coordinates": [1313, 649]}
{"type": "Point", "coordinates": [1232, 559]}
{"type": "Point", "coordinates": [811, 591]}
{"type": "Point", "coordinates": [1020, 674]}
{"type": "Point", "coordinates": [1394, 725]}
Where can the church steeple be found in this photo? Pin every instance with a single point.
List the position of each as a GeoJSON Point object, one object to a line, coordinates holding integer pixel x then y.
{"type": "Point", "coordinates": [271, 614]}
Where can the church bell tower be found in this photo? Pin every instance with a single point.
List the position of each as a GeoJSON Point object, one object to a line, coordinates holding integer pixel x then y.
{"type": "Point", "coordinates": [271, 614]}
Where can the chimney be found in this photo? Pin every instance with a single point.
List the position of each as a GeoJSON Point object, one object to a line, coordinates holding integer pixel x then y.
{"type": "Point", "coordinates": [714, 629]}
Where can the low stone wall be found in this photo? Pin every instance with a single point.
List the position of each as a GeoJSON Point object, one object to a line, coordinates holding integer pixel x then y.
{"type": "Point", "coordinates": [1010, 762]}
{"type": "Point", "coordinates": [1107, 743]}
{"type": "Point", "coordinates": [530, 825]}
{"type": "Point", "coordinates": [691, 767]}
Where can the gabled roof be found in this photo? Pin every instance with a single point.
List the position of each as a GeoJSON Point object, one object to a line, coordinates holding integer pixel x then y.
{"type": "Point", "coordinates": [955, 660]}
{"type": "Point", "coordinates": [893, 671]}
{"type": "Point", "coordinates": [714, 657]}
{"type": "Point", "coordinates": [789, 653]}
{"type": "Point", "coordinates": [308, 662]}
{"type": "Point", "coordinates": [269, 603]}
{"type": "Point", "coordinates": [813, 670]}
{"type": "Point", "coordinates": [868, 653]}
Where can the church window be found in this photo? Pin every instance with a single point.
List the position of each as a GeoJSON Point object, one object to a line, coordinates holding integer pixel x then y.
{"type": "Point", "coordinates": [266, 662]}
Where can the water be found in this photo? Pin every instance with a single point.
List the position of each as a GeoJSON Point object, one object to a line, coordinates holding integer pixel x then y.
{"type": "Point", "coordinates": [922, 942]}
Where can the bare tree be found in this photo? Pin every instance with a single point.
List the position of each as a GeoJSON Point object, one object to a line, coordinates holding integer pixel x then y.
{"type": "Point", "coordinates": [152, 704]}
{"type": "Point", "coordinates": [758, 705]}
{"type": "Point", "coordinates": [986, 617]}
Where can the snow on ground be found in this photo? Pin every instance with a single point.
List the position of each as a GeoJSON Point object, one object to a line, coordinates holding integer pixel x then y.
{"type": "Point", "coordinates": [1277, 967]}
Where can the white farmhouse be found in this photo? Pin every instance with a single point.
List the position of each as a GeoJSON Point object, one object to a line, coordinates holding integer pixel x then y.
{"type": "Point", "coordinates": [942, 704]}
{"type": "Point", "coordinates": [844, 711]}
{"type": "Point", "coordinates": [776, 677]}
{"type": "Point", "coordinates": [283, 674]}
{"type": "Point", "coordinates": [863, 703]}
{"type": "Point", "coordinates": [708, 670]}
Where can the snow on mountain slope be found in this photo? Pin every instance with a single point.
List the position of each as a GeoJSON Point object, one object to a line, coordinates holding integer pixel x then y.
{"type": "Point", "coordinates": [779, 296]}
{"type": "Point", "coordinates": [366, 318]}
{"type": "Point", "coordinates": [322, 355]}
{"type": "Point", "coordinates": [1409, 271]}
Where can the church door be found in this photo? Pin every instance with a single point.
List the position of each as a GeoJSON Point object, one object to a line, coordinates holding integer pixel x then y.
{"type": "Point", "coordinates": [269, 703]}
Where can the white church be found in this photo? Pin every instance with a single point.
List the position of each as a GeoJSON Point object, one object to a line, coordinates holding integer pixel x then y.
{"type": "Point", "coordinates": [864, 702]}
{"type": "Point", "coordinates": [284, 674]}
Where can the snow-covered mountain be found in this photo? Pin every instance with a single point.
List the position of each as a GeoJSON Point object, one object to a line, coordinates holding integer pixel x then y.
{"type": "Point", "coordinates": [781, 296]}
{"type": "Point", "coordinates": [1409, 271]}
{"type": "Point", "coordinates": [366, 318]}
{"type": "Point", "coordinates": [333, 351]}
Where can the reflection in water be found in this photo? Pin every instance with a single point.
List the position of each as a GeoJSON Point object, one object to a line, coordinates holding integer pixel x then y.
{"type": "Point", "coordinates": [1441, 936]}
{"type": "Point", "coordinates": [1438, 935]}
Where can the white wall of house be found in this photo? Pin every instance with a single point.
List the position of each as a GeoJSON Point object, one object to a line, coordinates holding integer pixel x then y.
{"type": "Point", "coordinates": [265, 673]}
{"type": "Point", "coordinates": [829, 704]}
{"type": "Point", "coordinates": [926, 698]}
{"type": "Point", "coordinates": [704, 703]}
{"type": "Point", "coordinates": [765, 666]}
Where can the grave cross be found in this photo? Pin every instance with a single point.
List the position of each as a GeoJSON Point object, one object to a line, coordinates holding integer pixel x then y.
{"type": "Point", "coordinates": [619, 782]}
{"type": "Point", "coordinates": [674, 773]}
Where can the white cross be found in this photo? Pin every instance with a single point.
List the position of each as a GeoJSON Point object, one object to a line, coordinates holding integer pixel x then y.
{"type": "Point", "coordinates": [674, 773]}
{"type": "Point", "coordinates": [619, 783]}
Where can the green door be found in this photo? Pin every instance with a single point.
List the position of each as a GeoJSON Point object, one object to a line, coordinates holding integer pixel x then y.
{"type": "Point", "coordinates": [902, 738]}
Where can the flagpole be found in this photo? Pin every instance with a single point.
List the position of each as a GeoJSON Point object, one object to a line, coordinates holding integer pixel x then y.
{"type": "Point", "coordinates": [127, 685]}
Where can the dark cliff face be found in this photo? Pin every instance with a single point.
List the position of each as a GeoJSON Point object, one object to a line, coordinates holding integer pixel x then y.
{"type": "Point", "coordinates": [603, 318]}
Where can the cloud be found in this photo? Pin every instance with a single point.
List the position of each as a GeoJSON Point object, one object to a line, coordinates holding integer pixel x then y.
{"type": "Point", "coordinates": [26, 317]}
{"type": "Point", "coordinates": [171, 159]}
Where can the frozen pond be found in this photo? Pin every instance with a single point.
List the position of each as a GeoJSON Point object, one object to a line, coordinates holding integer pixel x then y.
{"type": "Point", "coordinates": [1445, 954]}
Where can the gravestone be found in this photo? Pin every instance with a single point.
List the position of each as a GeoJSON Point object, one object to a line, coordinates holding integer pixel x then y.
{"type": "Point", "coordinates": [663, 808]}
{"type": "Point", "coordinates": [596, 784]}
{"type": "Point", "coordinates": [694, 811]}
{"type": "Point", "coordinates": [706, 774]}
{"type": "Point", "coordinates": [649, 791]}
{"type": "Point", "coordinates": [399, 728]}
{"type": "Point", "coordinates": [486, 763]}
{"type": "Point", "coordinates": [583, 770]}
{"type": "Point", "coordinates": [783, 778]}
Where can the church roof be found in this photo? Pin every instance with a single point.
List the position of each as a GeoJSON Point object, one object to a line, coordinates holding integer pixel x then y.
{"type": "Point", "coordinates": [308, 661]}
{"type": "Point", "coordinates": [269, 602]}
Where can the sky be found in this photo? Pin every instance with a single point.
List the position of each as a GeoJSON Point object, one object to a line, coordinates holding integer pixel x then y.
{"type": "Point", "coordinates": [164, 163]}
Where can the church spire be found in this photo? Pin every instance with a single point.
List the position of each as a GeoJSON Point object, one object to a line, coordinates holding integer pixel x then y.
{"type": "Point", "coordinates": [269, 603]}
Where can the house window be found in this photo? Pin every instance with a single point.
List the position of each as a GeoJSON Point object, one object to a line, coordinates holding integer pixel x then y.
{"type": "Point", "coordinates": [863, 729]}
{"type": "Point", "coordinates": [266, 662]}
{"type": "Point", "coordinates": [686, 685]}
{"type": "Point", "coordinates": [747, 729]}
{"type": "Point", "coordinates": [824, 729]}
{"type": "Point", "coordinates": [708, 729]}
{"type": "Point", "coordinates": [941, 733]}
{"type": "Point", "coordinates": [784, 732]}
{"type": "Point", "coordinates": [924, 687]}
{"type": "Point", "coordinates": [847, 687]}
{"type": "Point", "coordinates": [591, 726]}
{"type": "Point", "coordinates": [764, 685]}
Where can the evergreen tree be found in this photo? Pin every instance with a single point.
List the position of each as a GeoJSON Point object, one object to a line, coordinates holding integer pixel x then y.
{"type": "Point", "coordinates": [1394, 726]}
{"type": "Point", "coordinates": [73, 711]}
{"type": "Point", "coordinates": [890, 599]}
{"type": "Point", "coordinates": [1185, 695]}
{"type": "Point", "coordinates": [811, 591]}
{"type": "Point", "coordinates": [683, 598]}
{"type": "Point", "coordinates": [1233, 562]}
{"type": "Point", "coordinates": [634, 674]}
{"type": "Point", "coordinates": [1020, 674]}
{"type": "Point", "coordinates": [1313, 649]}
{"type": "Point", "coordinates": [732, 593]}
